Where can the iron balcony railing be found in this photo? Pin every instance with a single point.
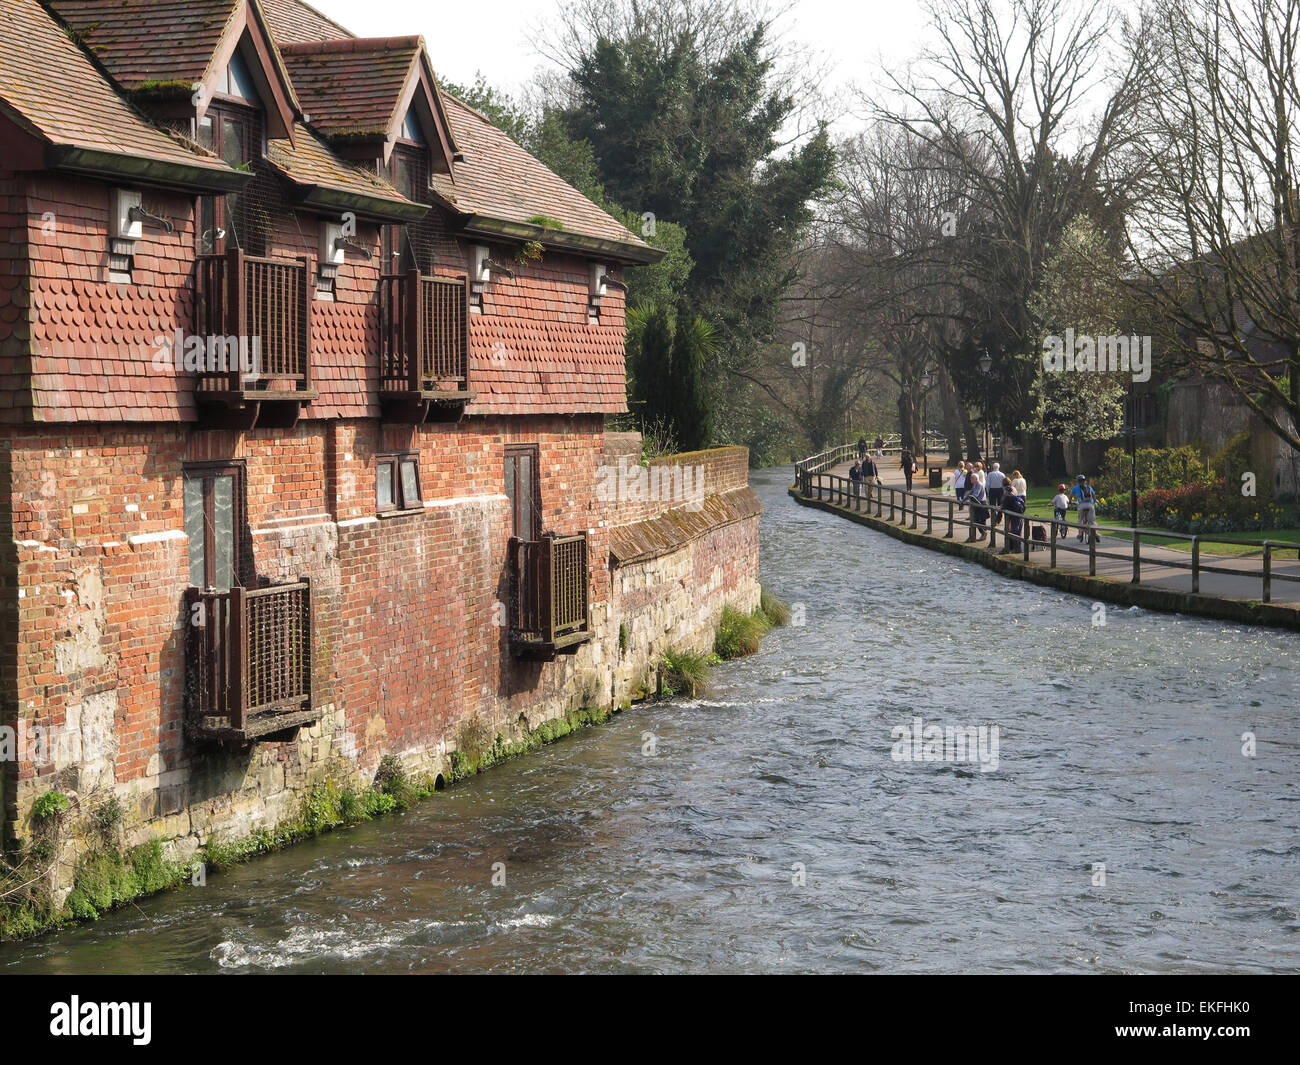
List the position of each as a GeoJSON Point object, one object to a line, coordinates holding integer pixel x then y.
{"type": "Point", "coordinates": [423, 333]}
{"type": "Point", "coordinates": [549, 590]}
{"type": "Point", "coordinates": [249, 659]}
{"type": "Point", "coordinates": [265, 306]}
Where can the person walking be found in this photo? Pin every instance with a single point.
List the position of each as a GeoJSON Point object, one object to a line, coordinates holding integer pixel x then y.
{"type": "Point", "coordinates": [1019, 485]}
{"type": "Point", "coordinates": [870, 474]}
{"type": "Point", "coordinates": [862, 448]}
{"type": "Point", "coordinates": [880, 446]}
{"type": "Point", "coordinates": [855, 476]}
{"type": "Point", "coordinates": [959, 483]}
{"type": "Point", "coordinates": [978, 511]}
{"type": "Point", "coordinates": [1014, 505]}
{"type": "Point", "coordinates": [909, 466]}
{"type": "Point", "coordinates": [994, 483]}
{"type": "Point", "coordinates": [1085, 496]}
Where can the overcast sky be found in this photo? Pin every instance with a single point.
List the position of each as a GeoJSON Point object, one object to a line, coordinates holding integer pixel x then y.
{"type": "Point", "coordinates": [851, 37]}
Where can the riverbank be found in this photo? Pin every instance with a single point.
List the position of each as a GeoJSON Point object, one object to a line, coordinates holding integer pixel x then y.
{"type": "Point", "coordinates": [1102, 588]}
{"type": "Point", "coordinates": [110, 875]}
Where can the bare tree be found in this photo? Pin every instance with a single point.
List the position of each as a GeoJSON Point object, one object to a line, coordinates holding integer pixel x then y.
{"type": "Point", "coordinates": [1218, 228]}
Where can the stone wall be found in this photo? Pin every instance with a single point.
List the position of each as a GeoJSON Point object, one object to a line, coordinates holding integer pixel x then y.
{"type": "Point", "coordinates": [408, 641]}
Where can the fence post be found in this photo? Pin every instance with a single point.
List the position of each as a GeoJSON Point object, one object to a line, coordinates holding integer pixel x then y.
{"type": "Point", "coordinates": [1026, 534]}
{"type": "Point", "coordinates": [916, 510]}
{"type": "Point", "coordinates": [929, 515]}
{"type": "Point", "coordinates": [1092, 553]}
{"type": "Point", "coordinates": [950, 517]}
{"type": "Point", "coordinates": [1268, 571]}
{"type": "Point", "coordinates": [1052, 559]}
{"type": "Point", "coordinates": [237, 655]}
{"type": "Point", "coordinates": [1137, 557]}
{"type": "Point", "coordinates": [1196, 565]}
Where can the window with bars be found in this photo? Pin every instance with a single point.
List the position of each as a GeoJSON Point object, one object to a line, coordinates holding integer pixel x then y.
{"type": "Point", "coordinates": [244, 219]}
{"type": "Point", "coordinates": [412, 246]}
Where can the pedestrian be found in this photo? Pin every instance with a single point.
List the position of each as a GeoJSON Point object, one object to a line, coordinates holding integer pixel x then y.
{"type": "Point", "coordinates": [862, 448]}
{"type": "Point", "coordinates": [994, 482]}
{"type": "Point", "coordinates": [978, 511]}
{"type": "Point", "coordinates": [1019, 485]}
{"type": "Point", "coordinates": [959, 483]}
{"type": "Point", "coordinates": [870, 474]}
{"type": "Point", "coordinates": [855, 476]}
{"type": "Point", "coordinates": [1060, 507]}
{"type": "Point", "coordinates": [880, 446]}
{"type": "Point", "coordinates": [1014, 505]}
{"type": "Point", "coordinates": [906, 461]}
{"type": "Point", "coordinates": [1085, 496]}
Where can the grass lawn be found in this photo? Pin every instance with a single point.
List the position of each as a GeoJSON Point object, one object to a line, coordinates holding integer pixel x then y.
{"type": "Point", "coordinates": [1038, 504]}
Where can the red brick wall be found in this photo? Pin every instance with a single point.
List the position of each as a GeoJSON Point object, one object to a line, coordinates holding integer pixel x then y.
{"type": "Point", "coordinates": [407, 634]}
{"type": "Point", "coordinates": [93, 342]}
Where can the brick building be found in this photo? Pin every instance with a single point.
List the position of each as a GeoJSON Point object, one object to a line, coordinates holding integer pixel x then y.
{"type": "Point", "coordinates": [304, 374]}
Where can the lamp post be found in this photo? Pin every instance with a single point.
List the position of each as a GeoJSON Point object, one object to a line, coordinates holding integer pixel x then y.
{"type": "Point", "coordinates": [1132, 432]}
{"type": "Point", "coordinates": [986, 368]}
{"type": "Point", "coordinates": [927, 379]}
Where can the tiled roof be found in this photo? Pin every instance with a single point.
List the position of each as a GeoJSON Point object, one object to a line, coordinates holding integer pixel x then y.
{"type": "Point", "coordinates": [146, 42]}
{"type": "Point", "coordinates": [500, 180]}
{"type": "Point", "coordinates": [533, 351]}
{"type": "Point", "coordinates": [351, 86]}
{"type": "Point", "coordinates": [309, 162]}
{"type": "Point", "coordinates": [293, 21]}
{"type": "Point", "coordinates": [53, 91]}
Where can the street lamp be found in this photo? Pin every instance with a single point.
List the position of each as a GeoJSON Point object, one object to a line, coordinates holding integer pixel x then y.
{"type": "Point", "coordinates": [927, 379]}
{"type": "Point", "coordinates": [986, 367]}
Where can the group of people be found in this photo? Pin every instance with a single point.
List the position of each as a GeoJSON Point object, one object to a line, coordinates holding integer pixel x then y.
{"type": "Point", "coordinates": [988, 493]}
{"type": "Point", "coordinates": [986, 490]}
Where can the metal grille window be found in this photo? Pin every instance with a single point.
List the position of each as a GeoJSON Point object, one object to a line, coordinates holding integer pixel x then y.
{"type": "Point", "coordinates": [412, 246]}
{"type": "Point", "coordinates": [243, 219]}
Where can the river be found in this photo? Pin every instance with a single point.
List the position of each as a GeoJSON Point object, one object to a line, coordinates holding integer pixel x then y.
{"type": "Point", "coordinates": [771, 830]}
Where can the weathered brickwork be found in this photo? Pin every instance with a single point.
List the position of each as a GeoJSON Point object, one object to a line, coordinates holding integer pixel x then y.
{"type": "Point", "coordinates": [407, 644]}
{"type": "Point", "coordinates": [406, 625]}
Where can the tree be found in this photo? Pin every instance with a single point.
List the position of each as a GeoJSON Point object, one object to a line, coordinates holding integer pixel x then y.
{"type": "Point", "coordinates": [1004, 106]}
{"type": "Point", "coordinates": [682, 104]}
{"type": "Point", "coordinates": [1083, 290]}
{"type": "Point", "coordinates": [1218, 234]}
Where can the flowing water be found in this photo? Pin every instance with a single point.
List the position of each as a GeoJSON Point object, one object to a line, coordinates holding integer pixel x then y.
{"type": "Point", "coordinates": [772, 830]}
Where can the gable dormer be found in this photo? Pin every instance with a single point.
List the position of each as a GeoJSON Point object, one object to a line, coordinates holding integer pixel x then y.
{"type": "Point", "coordinates": [368, 96]}
{"type": "Point", "coordinates": [174, 57]}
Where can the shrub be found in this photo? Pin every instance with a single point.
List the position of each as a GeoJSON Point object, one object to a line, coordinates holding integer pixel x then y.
{"type": "Point", "coordinates": [50, 805]}
{"type": "Point", "coordinates": [777, 612]}
{"type": "Point", "coordinates": [684, 671]}
{"type": "Point", "coordinates": [1157, 468]}
{"type": "Point", "coordinates": [739, 634]}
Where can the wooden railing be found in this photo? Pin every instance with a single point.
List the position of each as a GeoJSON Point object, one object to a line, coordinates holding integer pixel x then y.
{"type": "Point", "coordinates": [805, 469]}
{"type": "Point", "coordinates": [249, 657]}
{"type": "Point", "coordinates": [423, 333]}
{"type": "Point", "coordinates": [548, 589]}
{"type": "Point", "coordinates": [904, 506]}
{"type": "Point", "coordinates": [247, 298]}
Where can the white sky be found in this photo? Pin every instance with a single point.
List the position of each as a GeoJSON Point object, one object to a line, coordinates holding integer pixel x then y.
{"type": "Point", "coordinates": [853, 37]}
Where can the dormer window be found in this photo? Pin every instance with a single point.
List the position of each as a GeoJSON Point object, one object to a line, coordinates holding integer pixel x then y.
{"type": "Point", "coordinates": [411, 130]}
{"type": "Point", "coordinates": [237, 80]}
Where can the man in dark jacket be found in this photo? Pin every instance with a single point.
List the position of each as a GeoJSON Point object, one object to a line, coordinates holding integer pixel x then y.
{"type": "Point", "coordinates": [1016, 506]}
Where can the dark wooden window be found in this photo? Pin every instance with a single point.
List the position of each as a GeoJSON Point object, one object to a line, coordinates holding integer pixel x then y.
{"type": "Point", "coordinates": [523, 491]}
{"type": "Point", "coordinates": [214, 523]}
{"type": "Point", "coordinates": [397, 483]}
{"type": "Point", "coordinates": [234, 131]}
{"type": "Point", "coordinates": [410, 247]}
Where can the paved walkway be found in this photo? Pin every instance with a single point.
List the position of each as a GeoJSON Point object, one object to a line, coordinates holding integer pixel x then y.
{"type": "Point", "coordinates": [1245, 583]}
